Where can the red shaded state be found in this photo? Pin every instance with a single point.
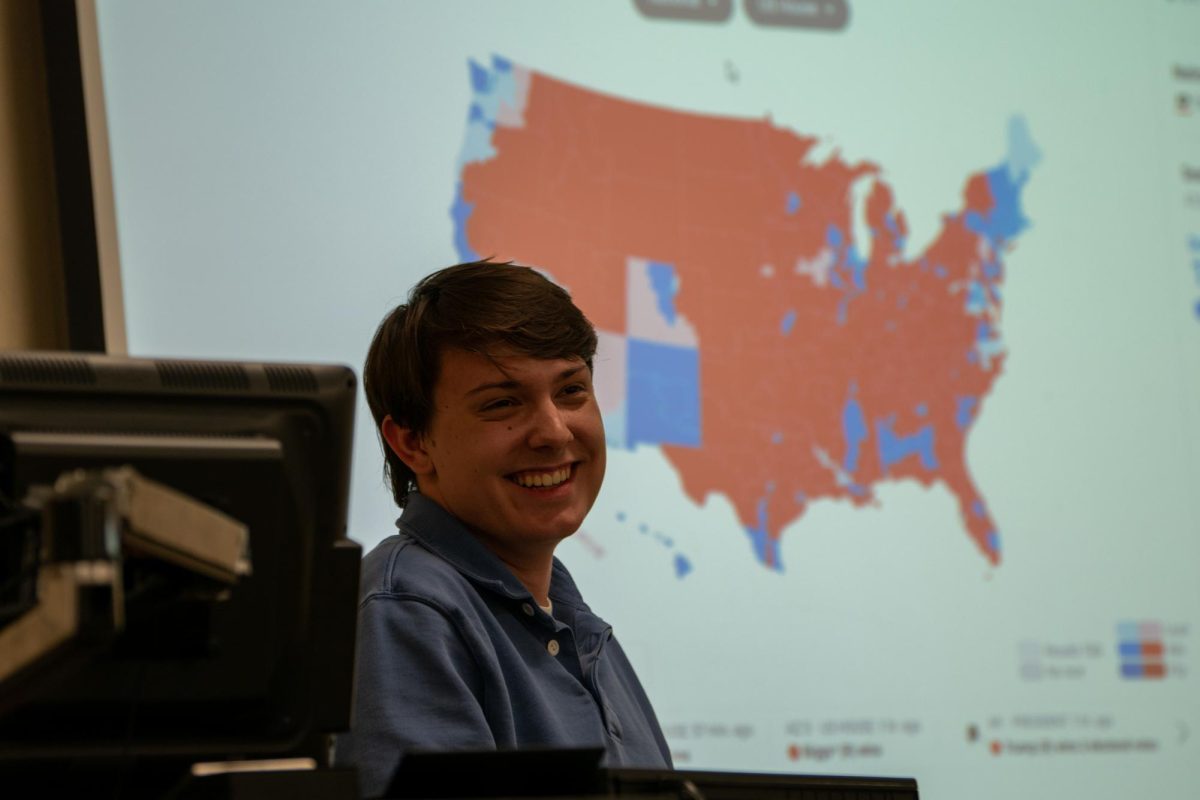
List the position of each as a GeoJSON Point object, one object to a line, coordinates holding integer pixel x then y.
{"type": "Point", "coordinates": [978, 197]}
{"type": "Point", "coordinates": [590, 180]}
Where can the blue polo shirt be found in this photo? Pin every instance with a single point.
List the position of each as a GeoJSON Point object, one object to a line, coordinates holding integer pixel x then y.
{"type": "Point", "coordinates": [454, 653]}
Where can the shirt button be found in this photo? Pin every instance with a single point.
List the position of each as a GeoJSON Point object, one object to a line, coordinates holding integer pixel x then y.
{"type": "Point", "coordinates": [552, 647]}
{"type": "Point", "coordinates": [528, 609]}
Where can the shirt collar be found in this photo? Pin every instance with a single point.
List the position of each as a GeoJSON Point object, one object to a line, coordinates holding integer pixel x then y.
{"type": "Point", "coordinates": [443, 534]}
{"type": "Point", "coordinates": [446, 536]}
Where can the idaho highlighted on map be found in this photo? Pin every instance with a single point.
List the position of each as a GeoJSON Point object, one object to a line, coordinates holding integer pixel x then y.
{"type": "Point", "coordinates": [775, 358]}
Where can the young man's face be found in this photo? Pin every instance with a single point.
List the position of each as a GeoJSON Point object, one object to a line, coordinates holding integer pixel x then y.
{"type": "Point", "coordinates": [515, 448]}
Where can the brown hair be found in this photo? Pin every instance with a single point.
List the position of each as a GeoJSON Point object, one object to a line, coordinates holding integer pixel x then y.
{"type": "Point", "coordinates": [476, 307]}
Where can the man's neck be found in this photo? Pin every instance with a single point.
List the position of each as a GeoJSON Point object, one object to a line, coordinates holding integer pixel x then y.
{"type": "Point", "coordinates": [531, 567]}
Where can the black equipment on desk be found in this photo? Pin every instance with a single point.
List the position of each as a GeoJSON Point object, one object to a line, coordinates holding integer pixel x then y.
{"type": "Point", "coordinates": [699, 785]}
{"type": "Point", "coordinates": [171, 652]}
{"type": "Point", "coordinates": [576, 772]}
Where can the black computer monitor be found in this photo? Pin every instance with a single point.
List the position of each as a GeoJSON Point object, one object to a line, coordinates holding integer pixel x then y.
{"type": "Point", "coordinates": [261, 672]}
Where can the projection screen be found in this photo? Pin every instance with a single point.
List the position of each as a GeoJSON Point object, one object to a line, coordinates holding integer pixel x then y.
{"type": "Point", "coordinates": [899, 309]}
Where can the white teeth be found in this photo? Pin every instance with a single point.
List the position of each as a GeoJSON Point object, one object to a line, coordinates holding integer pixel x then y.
{"type": "Point", "coordinates": [532, 479]}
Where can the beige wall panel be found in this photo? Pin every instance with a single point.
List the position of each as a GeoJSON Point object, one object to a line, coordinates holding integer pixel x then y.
{"type": "Point", "coordinates": [32, 305]}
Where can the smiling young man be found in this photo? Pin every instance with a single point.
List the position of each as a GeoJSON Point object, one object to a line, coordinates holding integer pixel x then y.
{"type": "Point", "coordinates": [471, 634]}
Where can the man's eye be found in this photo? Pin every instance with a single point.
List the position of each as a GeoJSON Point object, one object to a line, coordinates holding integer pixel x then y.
{"type": "Point", "coordinates": [497, 405]}
{"type": "Point", "coordinates": [574, 388]}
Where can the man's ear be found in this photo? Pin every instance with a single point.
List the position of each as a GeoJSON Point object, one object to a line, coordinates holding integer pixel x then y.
{"type": "Point", "coordinates": [408, 445]}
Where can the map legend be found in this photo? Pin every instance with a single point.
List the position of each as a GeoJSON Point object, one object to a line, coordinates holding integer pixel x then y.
{"type": "Point", "coordinates": [1141, 650]}
{"type": "Point", "coordinates": [1047, 660]}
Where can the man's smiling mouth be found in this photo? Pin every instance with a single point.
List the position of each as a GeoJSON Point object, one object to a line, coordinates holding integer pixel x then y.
{"type": "Point", "coordinates": [542, 478]}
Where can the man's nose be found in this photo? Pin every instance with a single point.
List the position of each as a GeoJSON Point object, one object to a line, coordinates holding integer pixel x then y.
{"type": "Point", "coordinates": [549, 427]}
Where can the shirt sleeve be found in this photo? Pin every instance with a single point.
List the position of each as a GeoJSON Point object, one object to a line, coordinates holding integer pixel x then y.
{"type": "Point", "coordinates": [417, 686]}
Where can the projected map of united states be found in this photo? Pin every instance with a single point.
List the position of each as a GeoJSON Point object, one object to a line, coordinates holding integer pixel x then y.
{"type": "Point", "coordinates": [779, 353]}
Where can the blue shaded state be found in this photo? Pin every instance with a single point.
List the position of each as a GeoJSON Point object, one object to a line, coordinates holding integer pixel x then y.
{"type": "Point", "coordinates": [490, 88]}
{"type": "Point", "coordinates": [1198, 309]}
{"type": "Point", "coordinates": [983, 331]}
{"type": "Point", "coordinates": [682, 566]}
{"type": "Point", "coordinates": [663, 394]}
{"type": "Point", "coordinates": [481, 79]}
{"type": "Point", "coordinates": [765, 548]}
{"type": "Point", "coordinates": [665, 286]}
{"type": "Point", "coordinates": [857, 489]}
{"type": "Point", "coordinates": [800, 497]}
{"type": "Point", "coordinates": [460, 212]}
{"type": "Point", "coordinates": [977, 509]}
{"type": "Point", "coordinates": [940, 271]}
{"type": "Point", "coordinates": [850, 261]}
{"type": "Point", "coordinates": [777, 437]}
{"type": "Point", "coordinates": [788, 322]}
{"type": "Point", "coordinates": [1023, 152]}
{"type": "Point", "coordinates": [922, 409]}
{"type": "Point", "coordinates": [993, 541]}
{"type": "Point", "coordinates": [976, 299]}
{"type": "Point", "coordinates": [620, 516]}
{"type": "Point", "coordinates": [964, 413]}
{"type": "Point", "coordinates": [793, 202]}
{"type": "Point", "coordinates": [858, 268]}
{"type": "Point", "coordinates": [1005, 220]}
{"type": "Point", "coordinates": [477, 144]}
{"type": "Point", "coordinates": [893, 448]}
{"type": "Point", "coordinates": [987, 344]}
{"type": "Point", "coordinates": [991, 270]}
{"type": "Point", "coordinates": [854, 431]}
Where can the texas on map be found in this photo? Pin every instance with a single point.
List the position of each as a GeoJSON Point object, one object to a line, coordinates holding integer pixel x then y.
{"type": "Point", "coordinates": [776, 359]}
